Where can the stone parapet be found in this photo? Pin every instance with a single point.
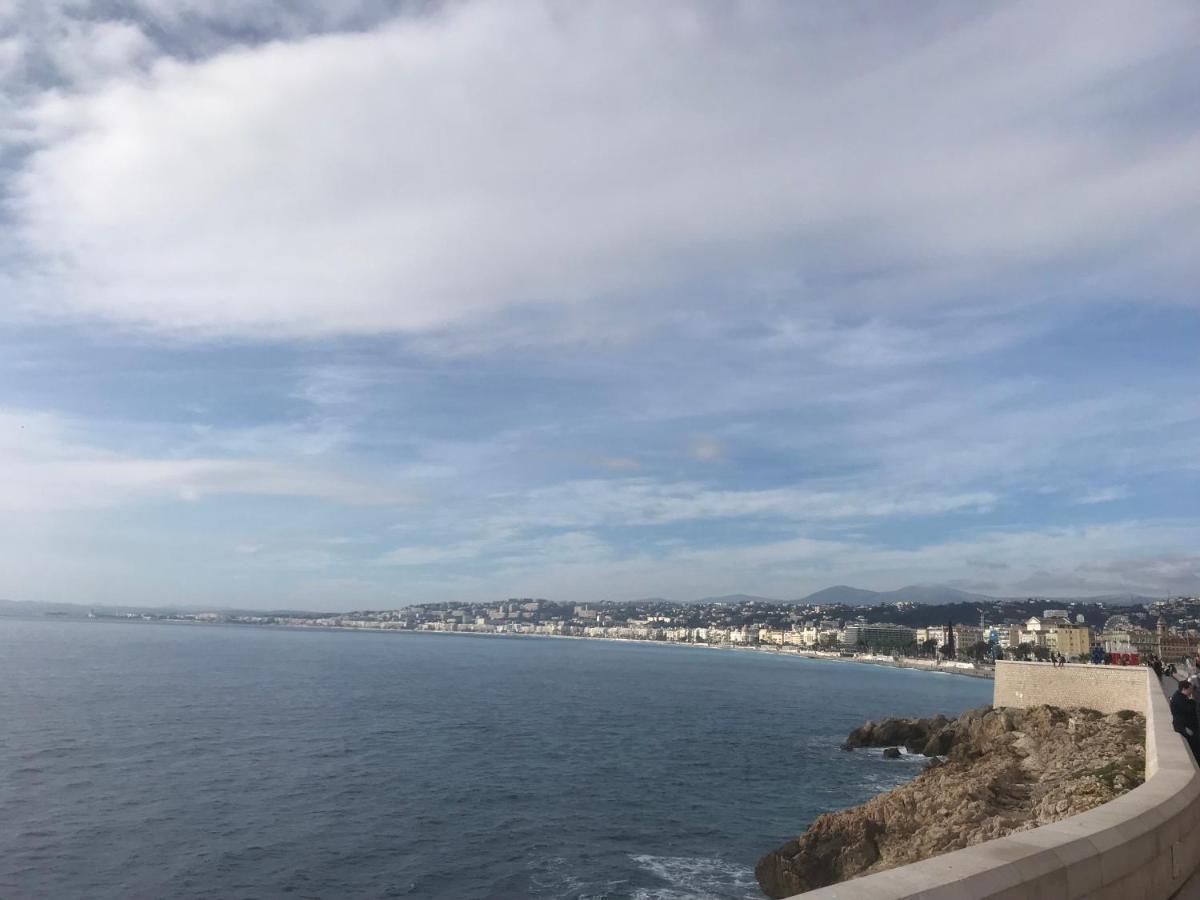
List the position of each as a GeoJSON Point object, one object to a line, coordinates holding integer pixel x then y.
{"type": "Point", "coordinates": [1144, 844]}
{"type": "Point", "coordinates": [1108, 689]}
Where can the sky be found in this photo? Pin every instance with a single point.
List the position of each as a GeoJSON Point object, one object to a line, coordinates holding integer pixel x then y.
{"type": "Point", "coordinates": [358, 305]}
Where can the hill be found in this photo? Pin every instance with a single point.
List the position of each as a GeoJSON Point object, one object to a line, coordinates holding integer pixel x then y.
{"type": "Point", "coordinates": [842, 594]}
{"type": "Point", "coordinates": [929, 594]}
{"type": "Point", "coordinates": [735, 599]}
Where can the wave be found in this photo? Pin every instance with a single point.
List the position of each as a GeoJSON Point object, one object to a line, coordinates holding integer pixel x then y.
{"type": "Point", "coordinates": [696, 878]}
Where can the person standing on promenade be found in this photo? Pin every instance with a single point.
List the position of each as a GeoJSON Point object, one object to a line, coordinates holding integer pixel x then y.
{"type": "Point", "coordinates": [1183, 715]}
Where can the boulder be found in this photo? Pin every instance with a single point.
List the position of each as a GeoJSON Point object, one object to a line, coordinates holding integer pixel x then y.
{"type": "Point", "coordinates": [912, 734]}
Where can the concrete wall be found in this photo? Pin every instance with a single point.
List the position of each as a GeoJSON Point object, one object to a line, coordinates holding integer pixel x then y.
{"type": "Point", "coordinates": [1144, 844]}
{"type": "Point", "coordinates": [1106, 688]}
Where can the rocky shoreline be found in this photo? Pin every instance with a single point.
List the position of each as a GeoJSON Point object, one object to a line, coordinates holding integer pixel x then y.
{"type": "Point", "coordinates": [992, 772]}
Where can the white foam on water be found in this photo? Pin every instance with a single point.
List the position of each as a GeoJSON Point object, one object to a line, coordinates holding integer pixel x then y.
{"type": "Point", "coordinates": [697, 878]}
{"type": "Point", "coordinates": [557, 881]}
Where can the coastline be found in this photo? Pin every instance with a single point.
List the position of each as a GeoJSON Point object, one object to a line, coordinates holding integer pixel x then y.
{"type": "Point", "coordinates": [921, 665]}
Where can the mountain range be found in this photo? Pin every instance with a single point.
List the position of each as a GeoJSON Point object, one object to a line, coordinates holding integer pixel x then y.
{"type": "Point", "coordinates": [935, 594]}
{"type": "Point", "coordinates": [939, 594]}
{"type": "Point", "coordinates": [926, 594]}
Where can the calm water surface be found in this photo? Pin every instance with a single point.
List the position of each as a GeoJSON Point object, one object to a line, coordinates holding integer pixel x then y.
{"type": "Point", "coordinates": [142, 760]}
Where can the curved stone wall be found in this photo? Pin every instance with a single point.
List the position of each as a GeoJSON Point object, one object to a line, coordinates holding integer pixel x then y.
{"type": "Point", "coordinates": [1144, 845]}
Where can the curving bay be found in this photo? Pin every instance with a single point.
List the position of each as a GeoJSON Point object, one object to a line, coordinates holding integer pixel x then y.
{"type": "Point", "coordinates": [146, 760]}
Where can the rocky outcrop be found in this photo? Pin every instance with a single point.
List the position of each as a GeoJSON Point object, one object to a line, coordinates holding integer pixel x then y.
{"type": "Point", "coordinates": [1005, 770]}
{"type": "Point", "coordinates": [912, 734]}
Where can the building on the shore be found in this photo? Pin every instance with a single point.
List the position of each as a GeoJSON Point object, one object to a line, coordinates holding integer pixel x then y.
{"type": "Point", "coordinates": [1129, 639]}
{"type": "Point", "coordinates": [1007, 635]}
{"type": "Point", "coordinates": [967, 636]}
{"type": "Point", "coordinates": [879, 636]}
{"type": "Point", "coordinates": [1058, 634]}
{"type": "Point", "coordinates": [1069, 640]}
{"type": "Point", "coordinates": [943, 636]}
{"type": "Point", "coordinates": [939, 634]}
{"type": "Point", "coordinates": [1172, 646]}
{"type": "Point", "coordinates": [819, 634]}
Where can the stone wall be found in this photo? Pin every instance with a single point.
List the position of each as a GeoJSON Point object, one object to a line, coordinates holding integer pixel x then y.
{"type": "Point", "coordinates": [1106, 688]}
{"type": "Point", "coordinates": [1144, 844]}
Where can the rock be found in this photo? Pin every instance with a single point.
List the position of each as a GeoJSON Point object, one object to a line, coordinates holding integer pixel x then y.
{"type": "Point", "coordinates": [939, 744]}
{"type": "Point", "coordinates": [912, 734]}
{"type": "Point", "coordinates": [861, 736]}
{"type": "Point", "coordinates": [1006, 770]}
{"type": "Point", "coordinates": [891, 753]}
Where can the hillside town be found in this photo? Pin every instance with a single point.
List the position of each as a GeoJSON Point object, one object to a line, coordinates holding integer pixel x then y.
{"type": "Point", "coordinates": [1030, 629]}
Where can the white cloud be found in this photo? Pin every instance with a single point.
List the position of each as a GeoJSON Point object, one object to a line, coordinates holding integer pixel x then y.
{"type": "Point", "coordinates": [1102, 495]}
{"type": "Point", "coordinates": [1131, 556]}
{"type": "Point", "coordinates": [91, 53]}
{"type": "Point", "coordinates": [432, 555]}
{"type": "Point", "coordinates": [48, 465]}
{"type": "Point", "coordinates": [440, 169]}
{"type": "Point", "coordinates": [643, 501]}
{"type": "Point", "coordinates": [504, 547]}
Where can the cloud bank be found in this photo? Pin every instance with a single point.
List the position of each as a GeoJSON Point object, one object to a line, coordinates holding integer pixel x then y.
{"type": "Point", "coordinates": [435, 170]}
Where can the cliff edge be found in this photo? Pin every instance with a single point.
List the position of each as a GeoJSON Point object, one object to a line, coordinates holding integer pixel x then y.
{"type": "Point", "coordinates": [1005, 770]}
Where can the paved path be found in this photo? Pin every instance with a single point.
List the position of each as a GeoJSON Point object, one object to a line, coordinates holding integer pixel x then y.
{"type": "Point", "coordinates": [1191, 887]}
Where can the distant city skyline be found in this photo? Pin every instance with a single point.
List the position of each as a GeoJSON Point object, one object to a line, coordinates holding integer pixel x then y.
{"type": "Point", "coordinates": [335, 309]}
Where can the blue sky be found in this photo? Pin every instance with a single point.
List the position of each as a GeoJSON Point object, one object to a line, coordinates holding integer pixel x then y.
{"type": "Point", "coordinates": [391, 303]}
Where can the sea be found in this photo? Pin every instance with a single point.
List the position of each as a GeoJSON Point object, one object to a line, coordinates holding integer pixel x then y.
{"type": "Point", "coordinates": [157, 760]}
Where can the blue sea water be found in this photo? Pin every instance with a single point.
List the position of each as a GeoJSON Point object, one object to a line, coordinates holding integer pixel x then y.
{"type": "Point", "coordinates": [147, 760]}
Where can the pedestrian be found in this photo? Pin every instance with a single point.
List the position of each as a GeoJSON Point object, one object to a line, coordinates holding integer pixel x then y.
{"type": "Point", "coordinates": [1183, 716]}
{"type": "Point", "coordinates": [1156, 664]}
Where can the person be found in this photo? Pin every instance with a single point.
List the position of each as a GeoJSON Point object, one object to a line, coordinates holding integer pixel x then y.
{"type": "Point", "coordinates": [1156, 664]}
{"type": "Point", "coordinates": [1183, 716]}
